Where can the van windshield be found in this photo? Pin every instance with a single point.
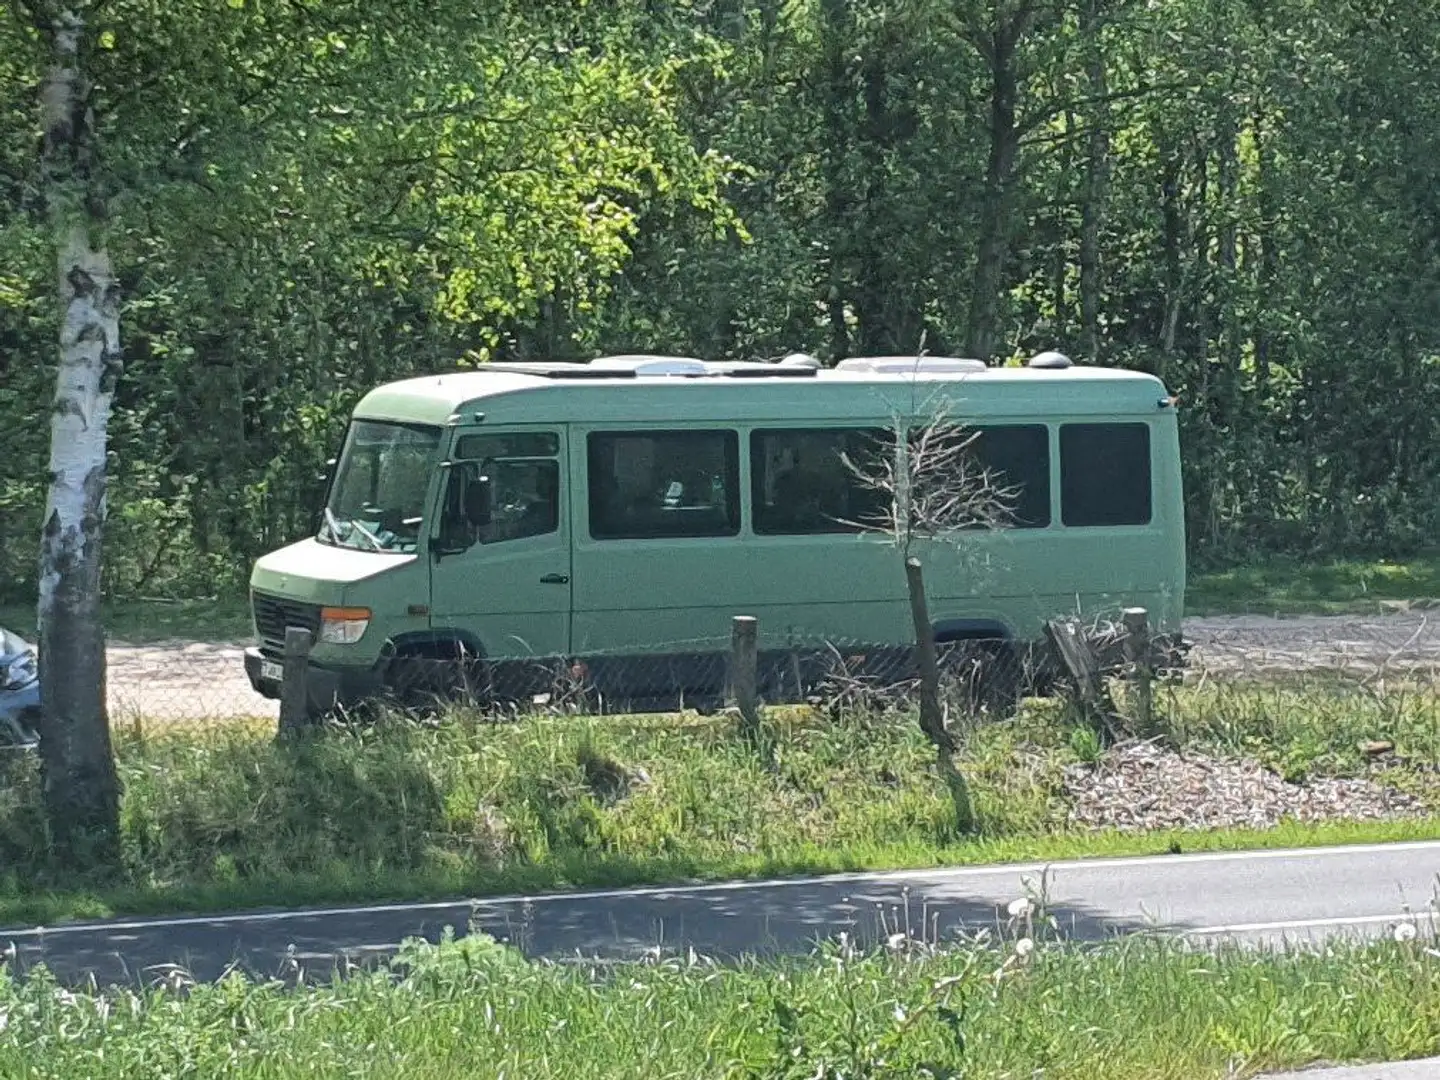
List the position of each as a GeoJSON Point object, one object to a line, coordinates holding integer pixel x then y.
{"type": "Point", "coordinates": [377, 501]}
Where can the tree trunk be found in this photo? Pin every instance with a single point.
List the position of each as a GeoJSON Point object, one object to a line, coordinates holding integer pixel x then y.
{"type": "Point", "coordinates": [1097, 181]}
{"type": "Point", "coordinates": [1227, 292]}
{"type": "Point", "coordinates": [872, 287]}
{"type": "Point", "coordinates": [1170, 180]}
{"type": "Point", "coordinates": [81, 790]}
{"type": "Point", "coordinates": [839, 203]}
{"type": "Point", "coordinates": [993, 247]}
{"type": "Point", "coordinates": [932, 715]}
{"type": "Point", "coordinates": [1060, 256]}
{"type": "Point", "coordinates": [1264, 183]}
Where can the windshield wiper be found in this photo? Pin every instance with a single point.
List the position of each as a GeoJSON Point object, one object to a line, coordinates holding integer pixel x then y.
{"type": "Point", "coordinates": [375, 541]}
{"type": "Point", "coordinates": [355, 526]}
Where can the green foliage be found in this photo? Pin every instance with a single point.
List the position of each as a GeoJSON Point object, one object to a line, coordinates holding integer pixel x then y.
{"type": "Point", "coordinates": [471, 1007]}
{"type": "Point", "coordinates": [309, 199]}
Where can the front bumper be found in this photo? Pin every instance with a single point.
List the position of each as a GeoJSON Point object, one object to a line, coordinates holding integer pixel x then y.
{"type": "Point", "coordinates": [326, 689]}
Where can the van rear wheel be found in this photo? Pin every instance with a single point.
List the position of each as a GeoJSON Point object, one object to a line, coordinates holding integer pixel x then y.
{"type": "Point", "coordinates": [986, 674]}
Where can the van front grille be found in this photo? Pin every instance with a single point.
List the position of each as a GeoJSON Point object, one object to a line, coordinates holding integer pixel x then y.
{"type": "Point", "coordinates": [273, 614]}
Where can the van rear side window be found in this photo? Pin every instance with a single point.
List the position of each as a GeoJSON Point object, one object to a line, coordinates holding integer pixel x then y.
{"type": "Point", "coordinates": [1105, 474]}
{"type": "Point", "coordinates": [664, 484]}
{"type": "Point", "coordinates": [1017, 457]}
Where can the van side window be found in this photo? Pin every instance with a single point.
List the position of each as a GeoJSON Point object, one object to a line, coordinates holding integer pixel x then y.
{"type": "Point", "coordinates": [524, 473]}
{"type": "Point", "coordinates": [663, 484]}
{"type": "Point", "coordinates": [1017, 457]}
{"type": "Point", "coordinates": [1009, 464]}
{"type": "Point", "coordinates": [801, 485]}
{"type": "Point", "coordinates": [1105, 474]}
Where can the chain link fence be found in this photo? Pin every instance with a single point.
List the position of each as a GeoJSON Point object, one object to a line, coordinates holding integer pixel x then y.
{"type": "Point", "coordinates": [203, 681]}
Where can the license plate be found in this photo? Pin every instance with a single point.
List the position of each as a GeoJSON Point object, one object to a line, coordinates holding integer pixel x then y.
{"type": "Point", "coordinates": [269, 669]}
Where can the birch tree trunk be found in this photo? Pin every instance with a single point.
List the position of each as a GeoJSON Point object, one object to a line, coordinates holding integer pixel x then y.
{"type": "Point", "coordinates": [80, 783]}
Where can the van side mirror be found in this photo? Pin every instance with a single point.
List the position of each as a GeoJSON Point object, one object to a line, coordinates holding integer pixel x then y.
{"type": "Point", "coordinates": [478, 502]}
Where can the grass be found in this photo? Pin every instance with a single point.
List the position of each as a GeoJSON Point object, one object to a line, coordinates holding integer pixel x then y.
{"type": "Point", "coordinates": [470, 1008]}
{"type": "Point", "coordinates": [1333, 587]}
{"type": "Point", "coordinates": [145, 622]}
{"type": "Point", "coordinates": [224, 818]}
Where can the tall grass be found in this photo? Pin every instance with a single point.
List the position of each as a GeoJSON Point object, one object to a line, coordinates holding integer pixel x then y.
{"type": "Point", "coordinates": [219, 817]}
{"type": "Point", "coordinates": [470, 1008]}
{"type": "Point", "coordinates": [1308, 727]}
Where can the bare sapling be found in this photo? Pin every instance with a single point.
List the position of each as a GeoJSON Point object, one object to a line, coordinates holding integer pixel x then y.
{"type": "Point", "coordinates": [931, 486]}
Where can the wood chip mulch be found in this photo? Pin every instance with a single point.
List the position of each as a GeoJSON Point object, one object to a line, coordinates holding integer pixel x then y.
{"type": "Point", "coordinates": [1143, 786]}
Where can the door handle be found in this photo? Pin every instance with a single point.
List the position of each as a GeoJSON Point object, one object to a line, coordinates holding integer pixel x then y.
{"type": "Point", "coordinates": [555, 579]}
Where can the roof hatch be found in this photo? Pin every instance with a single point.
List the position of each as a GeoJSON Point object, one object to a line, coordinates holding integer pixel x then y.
{"type": "Point", "coordinates": [907, 365]}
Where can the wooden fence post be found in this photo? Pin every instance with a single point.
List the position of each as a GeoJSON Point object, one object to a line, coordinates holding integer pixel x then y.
{"type": "Point", "coordinates": [1137, 652]}
{"type": "Point", "coordinates": [294, 696]}
{"type": "Point", "coordinates": [744, 676]}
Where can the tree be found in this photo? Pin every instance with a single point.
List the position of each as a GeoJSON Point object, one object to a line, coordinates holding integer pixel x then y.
{"type": "Point", "coordinates": [490, 156]}
{"type": "Point", "coordinates": [932, 487]}
{"type": "Point", "coordinates": [80, 782]}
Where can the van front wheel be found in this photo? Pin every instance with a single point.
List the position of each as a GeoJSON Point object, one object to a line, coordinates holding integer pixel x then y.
{"type": "Point", "coordinates": [428, 682]}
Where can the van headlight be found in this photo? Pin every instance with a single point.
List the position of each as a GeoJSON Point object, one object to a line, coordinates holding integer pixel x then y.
{"type": "Point", "coordinates": [21, 671]}
{"type": "Point", "coordinates": [343, 625]}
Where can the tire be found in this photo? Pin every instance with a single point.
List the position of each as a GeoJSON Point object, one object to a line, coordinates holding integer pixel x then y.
{"type": "Point", "coordinates": [21, 732]}
{"type": "Point", "coordinates": [988, 674]}
{"type": "Point", "coordinates": [426, 683]}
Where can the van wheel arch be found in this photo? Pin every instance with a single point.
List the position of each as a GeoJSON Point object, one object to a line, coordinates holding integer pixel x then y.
{"type": "Point", "coordinates": [995, 681]}
{"type": "Point", "coordinates": [430, 667]}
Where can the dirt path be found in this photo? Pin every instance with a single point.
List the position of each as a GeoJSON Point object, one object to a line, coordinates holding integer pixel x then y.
{"type": "Point", "coordinates": [207, 681]}
{"type": "Point", "coordinates": [1355, 644]}
{"type": "Point", "coordinates": [182, 680]}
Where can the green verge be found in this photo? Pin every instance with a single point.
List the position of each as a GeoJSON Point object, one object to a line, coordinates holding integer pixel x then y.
{"type": "Point", "coordinates": [147, 622]}
{"type": "Point", "coordinates": [1332, 587]}
{"type": "Point", "coordinates": [470, 1008]}
{"type": "Point", "coordinates": [224, 818]}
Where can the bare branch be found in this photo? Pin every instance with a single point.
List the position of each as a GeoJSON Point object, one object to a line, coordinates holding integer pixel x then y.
{"type": "Point", "coordinates": [931, 483]}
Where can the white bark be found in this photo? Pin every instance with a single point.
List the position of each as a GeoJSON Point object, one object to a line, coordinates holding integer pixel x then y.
{"type": "Point", "coordinates": [81, 788]}
{"type": "Point", "coordinates": [89, 338]}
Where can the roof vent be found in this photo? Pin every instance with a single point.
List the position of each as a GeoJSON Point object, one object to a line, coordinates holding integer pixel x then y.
{"type": "Point", "coordinates": [800, 360]}
{"type": "Point", "coordinates": [652, 365]}
{"type": "Point", "coordinates": [906, 365]}
{"type": "Point", "coordinates": [1050, 360]}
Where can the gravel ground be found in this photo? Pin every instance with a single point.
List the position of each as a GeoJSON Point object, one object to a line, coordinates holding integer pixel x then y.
{"type": "Point", "coordinates": [182, 680]}
{"type": "Point", "coordinates": [202, 680]}
{"type": "Point", "coordinates": [1357, 644]}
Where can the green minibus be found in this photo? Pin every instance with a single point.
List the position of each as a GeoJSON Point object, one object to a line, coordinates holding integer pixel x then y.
{"type": "Point", "coordinates": [487, 528]}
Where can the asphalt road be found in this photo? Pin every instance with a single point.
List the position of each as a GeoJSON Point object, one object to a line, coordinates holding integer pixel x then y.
{"type": "Point", "coordinates": [1270, 896]}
